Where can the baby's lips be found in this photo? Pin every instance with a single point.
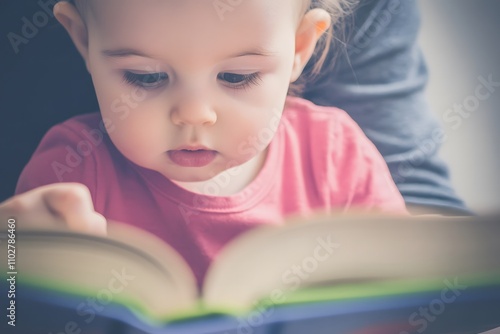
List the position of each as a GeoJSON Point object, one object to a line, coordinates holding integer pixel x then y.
{"type": "Point", "coordinates": [192, 158]}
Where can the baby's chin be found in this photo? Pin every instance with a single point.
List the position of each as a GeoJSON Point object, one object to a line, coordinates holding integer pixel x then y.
{"type": "Point", "coordinates": [189, 178]}
{"type": "Point", "coordinates": [201, 185]}
{"type": "Point", "coordinates": [192, 175]}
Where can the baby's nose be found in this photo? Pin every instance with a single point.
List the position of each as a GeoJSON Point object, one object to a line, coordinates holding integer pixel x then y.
{"type": "Point", "coordinates": [193, 111]}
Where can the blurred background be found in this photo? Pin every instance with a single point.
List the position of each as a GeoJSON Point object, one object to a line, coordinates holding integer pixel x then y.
{"type": "Point", "coordinates": [42, 84]}
{"type": "Point", "coordinates": [461, 42]}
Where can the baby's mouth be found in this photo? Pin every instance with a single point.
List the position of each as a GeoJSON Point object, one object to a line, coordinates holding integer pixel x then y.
{"type": "Point", "coordinates": [192, 156]}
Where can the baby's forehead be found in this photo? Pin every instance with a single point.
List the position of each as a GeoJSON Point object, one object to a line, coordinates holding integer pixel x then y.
{"type": "Point", "coordinates": [178, 22]}
{"type": "Point", "coordinates": [221, 11]}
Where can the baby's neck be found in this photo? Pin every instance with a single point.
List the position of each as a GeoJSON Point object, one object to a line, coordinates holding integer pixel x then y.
{"type": "Point", "coordinates": [239, 178]}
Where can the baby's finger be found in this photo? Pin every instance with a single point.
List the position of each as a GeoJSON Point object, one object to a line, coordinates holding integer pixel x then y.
{"type": "Point", "coordinates": [72, 202]}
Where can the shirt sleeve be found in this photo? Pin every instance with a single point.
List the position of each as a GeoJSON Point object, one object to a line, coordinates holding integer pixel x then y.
{"type": "Point", "coordinates": [62, 156]}
{"type": "Point", "coordinates": [380, 80]}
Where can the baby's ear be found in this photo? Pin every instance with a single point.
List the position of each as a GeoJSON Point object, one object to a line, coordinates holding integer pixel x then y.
{"type": "Point", "coordinates": [314, 23]}
{"type": "Point", "coordinates": [69, 17]}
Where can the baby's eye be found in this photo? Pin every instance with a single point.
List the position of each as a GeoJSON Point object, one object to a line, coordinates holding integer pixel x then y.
{"type": "Point", "coordinates": [146, 80]}
{"type": "Point", "coordinates": [239, 81]}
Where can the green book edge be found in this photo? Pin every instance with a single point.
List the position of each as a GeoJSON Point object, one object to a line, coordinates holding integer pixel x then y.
{"type": "Point", "coordinates": [336, 292]}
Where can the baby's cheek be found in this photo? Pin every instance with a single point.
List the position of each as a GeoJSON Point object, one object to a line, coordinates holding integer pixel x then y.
{"type": "Point", "coordinates": [138, 140]}
{"type": "Point", "coordinates": [252, 138]}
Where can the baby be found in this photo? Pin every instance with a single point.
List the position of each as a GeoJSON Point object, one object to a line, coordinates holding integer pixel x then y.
{"type": "Point", "coordinates": [198, 138]}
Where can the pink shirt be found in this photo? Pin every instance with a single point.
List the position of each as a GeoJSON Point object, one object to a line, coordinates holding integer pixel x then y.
{"type": "Point", "coordinates": [318, 160]}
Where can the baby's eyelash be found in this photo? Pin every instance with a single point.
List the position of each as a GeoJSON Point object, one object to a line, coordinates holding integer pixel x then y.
{"type": "Point", "coordinates": [156, 80]}
{"type": "Point", "coordinates": [146, 80]}
{"type": "Point", "coordinates": [247, 80]}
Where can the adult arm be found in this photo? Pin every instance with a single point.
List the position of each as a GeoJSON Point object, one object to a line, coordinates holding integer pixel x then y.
{"type": "Point", "coordinates": [379, 79]}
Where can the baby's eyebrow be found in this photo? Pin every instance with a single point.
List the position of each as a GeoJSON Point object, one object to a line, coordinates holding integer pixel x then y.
{"type": "Point", "coordinates": [254, 52]}
{"type": "Point", "coordinates": [125, 52]}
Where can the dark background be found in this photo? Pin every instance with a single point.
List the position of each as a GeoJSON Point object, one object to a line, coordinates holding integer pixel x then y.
{"type": "Point", "coordinates": [41, 85]}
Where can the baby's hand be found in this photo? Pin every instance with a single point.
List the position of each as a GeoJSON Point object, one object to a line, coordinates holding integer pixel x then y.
{"type": "Point", "coordinates": [58, 204]}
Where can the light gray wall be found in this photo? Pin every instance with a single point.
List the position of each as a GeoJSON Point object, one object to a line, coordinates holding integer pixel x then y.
{"type": "Point", "coordinates": [461, 42]}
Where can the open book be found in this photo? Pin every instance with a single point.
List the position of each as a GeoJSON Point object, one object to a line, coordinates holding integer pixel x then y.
{"type": "Point", "coordinates": [323, 259]}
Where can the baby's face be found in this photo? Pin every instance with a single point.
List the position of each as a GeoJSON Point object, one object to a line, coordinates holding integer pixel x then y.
{"type": "Point", "coordinates": [192, 88]}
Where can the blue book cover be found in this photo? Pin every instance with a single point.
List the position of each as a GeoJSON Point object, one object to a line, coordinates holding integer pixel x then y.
{"type": "Point", "coordinates": [344, 275]}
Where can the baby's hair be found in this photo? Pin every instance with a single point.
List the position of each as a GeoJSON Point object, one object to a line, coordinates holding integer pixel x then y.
{"type": "Point", "coordinates": [333, 38]}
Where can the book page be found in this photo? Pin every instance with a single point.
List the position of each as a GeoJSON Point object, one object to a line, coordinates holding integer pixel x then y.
{"type": "Point", "coordinates": [334, 250]}
{"type": "Point", "coordinates": [129, 267]}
